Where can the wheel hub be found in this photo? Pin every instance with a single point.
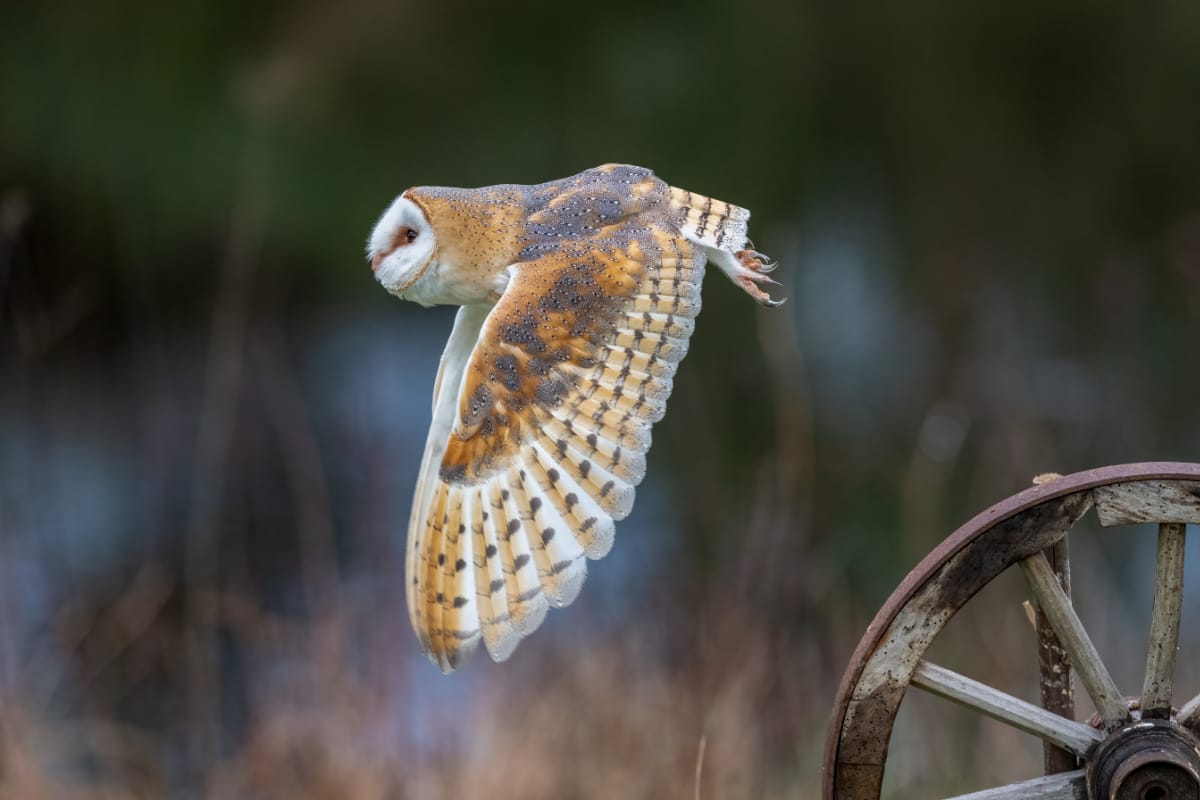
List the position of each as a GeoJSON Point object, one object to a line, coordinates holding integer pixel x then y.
{"type": "Point", "coordinates": [1147, 760]}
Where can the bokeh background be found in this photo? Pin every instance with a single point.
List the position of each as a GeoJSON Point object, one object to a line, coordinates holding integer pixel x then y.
{"type": "Point", "coordinates": [988, 217]}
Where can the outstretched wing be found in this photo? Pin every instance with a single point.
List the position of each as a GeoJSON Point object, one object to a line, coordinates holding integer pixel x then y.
{"type": "Point", "coordinates": [540, 435]}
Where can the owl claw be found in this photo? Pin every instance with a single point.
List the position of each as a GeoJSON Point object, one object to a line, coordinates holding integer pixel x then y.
{"type": "Point", "coordinates": [757, 261]}
{"type": "Point", "coordinates": [751, 270]}
{"type": "Point", "coordinates": [758, 277]}
{"type": "Point", "coordinates": [748, 284]}
{"type": "Point", "coordinates": [747, 269]}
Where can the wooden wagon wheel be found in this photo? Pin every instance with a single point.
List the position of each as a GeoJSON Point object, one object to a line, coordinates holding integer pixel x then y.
{"type": "Point", "coordinates": [1150, 753]}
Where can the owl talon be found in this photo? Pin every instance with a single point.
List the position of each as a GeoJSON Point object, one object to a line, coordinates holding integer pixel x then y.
{"type": "Point", "coordinates": [747, 269]}
{"type": "Point", "coordinates": [755, 261]}
{"type": "Point", "coordinates": [758, 277]}
{"type": "Point", "coordinates": [748, 284]}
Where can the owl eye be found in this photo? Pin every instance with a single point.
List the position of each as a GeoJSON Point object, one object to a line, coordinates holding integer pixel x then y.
{"type": "Point", "coordinates": [404, 235]}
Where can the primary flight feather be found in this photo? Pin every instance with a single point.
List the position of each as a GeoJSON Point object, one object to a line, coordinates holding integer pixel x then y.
{"type": "Point", "coordinates": [577, 298]}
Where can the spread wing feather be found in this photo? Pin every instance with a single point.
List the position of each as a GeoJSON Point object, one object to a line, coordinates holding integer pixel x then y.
{"type": "Point", "coordinates": [540, 434]}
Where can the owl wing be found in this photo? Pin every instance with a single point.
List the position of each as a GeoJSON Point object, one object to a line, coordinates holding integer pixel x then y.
{"type": "Point", "coordinates": [542, 421]}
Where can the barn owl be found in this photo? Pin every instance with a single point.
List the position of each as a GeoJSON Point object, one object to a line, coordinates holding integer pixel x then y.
{"type": "Point", "coordinates": [577, 300]}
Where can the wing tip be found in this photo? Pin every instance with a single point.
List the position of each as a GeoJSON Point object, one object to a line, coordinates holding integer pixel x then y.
{"type": "Point", "coordinates": [599, 543]}
{"type": "Point", "coordinates": [618, 502]}
{"type": "Point", "coordinates": [449, 658]}
{"type": "Point", "coordinates": [571, 576]}
{"type": "Point", "coordinates": [534, 616]}
{"type": "Point", "coordinates": [502, 647]}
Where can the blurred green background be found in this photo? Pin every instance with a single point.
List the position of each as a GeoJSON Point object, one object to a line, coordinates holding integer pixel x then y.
{"type": "Point", "coordinates": [211, 417]}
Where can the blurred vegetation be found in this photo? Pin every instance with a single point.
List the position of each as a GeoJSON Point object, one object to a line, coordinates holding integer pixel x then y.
{"type": "Point", "coordinates": [211, 417]}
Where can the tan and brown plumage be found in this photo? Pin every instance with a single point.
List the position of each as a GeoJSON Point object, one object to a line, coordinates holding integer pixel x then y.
{"type": "Point", "coordinates": [578, 299]}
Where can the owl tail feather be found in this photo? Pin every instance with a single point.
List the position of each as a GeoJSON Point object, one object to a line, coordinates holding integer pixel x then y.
{"type": "Point", "coordinates": [720, 228]}
{"type": "Point", "coordinates": [710, 223]}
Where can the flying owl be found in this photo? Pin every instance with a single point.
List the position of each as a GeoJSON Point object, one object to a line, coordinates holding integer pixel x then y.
{"type": "Point", "coordinates": [577, 300]}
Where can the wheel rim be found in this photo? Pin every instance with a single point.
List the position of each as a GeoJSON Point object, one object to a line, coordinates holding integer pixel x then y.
{"type": "Point", "coordinates": [1016, 530]}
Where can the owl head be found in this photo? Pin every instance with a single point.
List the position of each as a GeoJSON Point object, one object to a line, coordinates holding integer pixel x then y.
{"type": "Point", "coordinates": [401, 245]}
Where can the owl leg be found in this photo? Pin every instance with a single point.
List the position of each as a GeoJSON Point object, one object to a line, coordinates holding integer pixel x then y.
{"type": "Point", "coordinates": [747, 269]}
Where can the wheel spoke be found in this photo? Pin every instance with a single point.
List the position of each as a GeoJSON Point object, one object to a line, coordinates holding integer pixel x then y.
{"type": "Point", "coordinates": [1189, 713]}
{"type": "Point", "coordinates": [1055, 604]}
{"type": "Point", "coordinates": [1067, 734]}
{"type": "Point", "coordinates": [1063, 786]}
{"type": "Point", "coordinates": [1164, 622]}
{"type": "Point", "coordinates": [1055, 681]}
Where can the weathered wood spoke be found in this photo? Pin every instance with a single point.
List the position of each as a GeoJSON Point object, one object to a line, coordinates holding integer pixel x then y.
{"type": "Point", "coordinates": [1084, 657]}
{"type": "Point", "coordinates": [1067, 734]}
{"type": "Point", "coordinates": [1055, 678]}
{"type": "Point", "coordinates": [1063, 786]}
{"type": "Point", "coordinates": [1164, 622]}
{"type": "Point", "coordinates": [1189, 713]}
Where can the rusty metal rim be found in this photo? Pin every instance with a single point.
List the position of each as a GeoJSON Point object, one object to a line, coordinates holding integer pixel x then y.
{"type": "Point", "coordinates": [966, 533]}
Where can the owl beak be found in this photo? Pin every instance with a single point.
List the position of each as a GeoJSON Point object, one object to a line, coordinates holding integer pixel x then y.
{"type": "Point", "coordinates": [376, 260]}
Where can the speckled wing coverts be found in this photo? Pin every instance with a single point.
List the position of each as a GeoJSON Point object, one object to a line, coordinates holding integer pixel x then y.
{"type": "Point", "coordinates": [545, 399]}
